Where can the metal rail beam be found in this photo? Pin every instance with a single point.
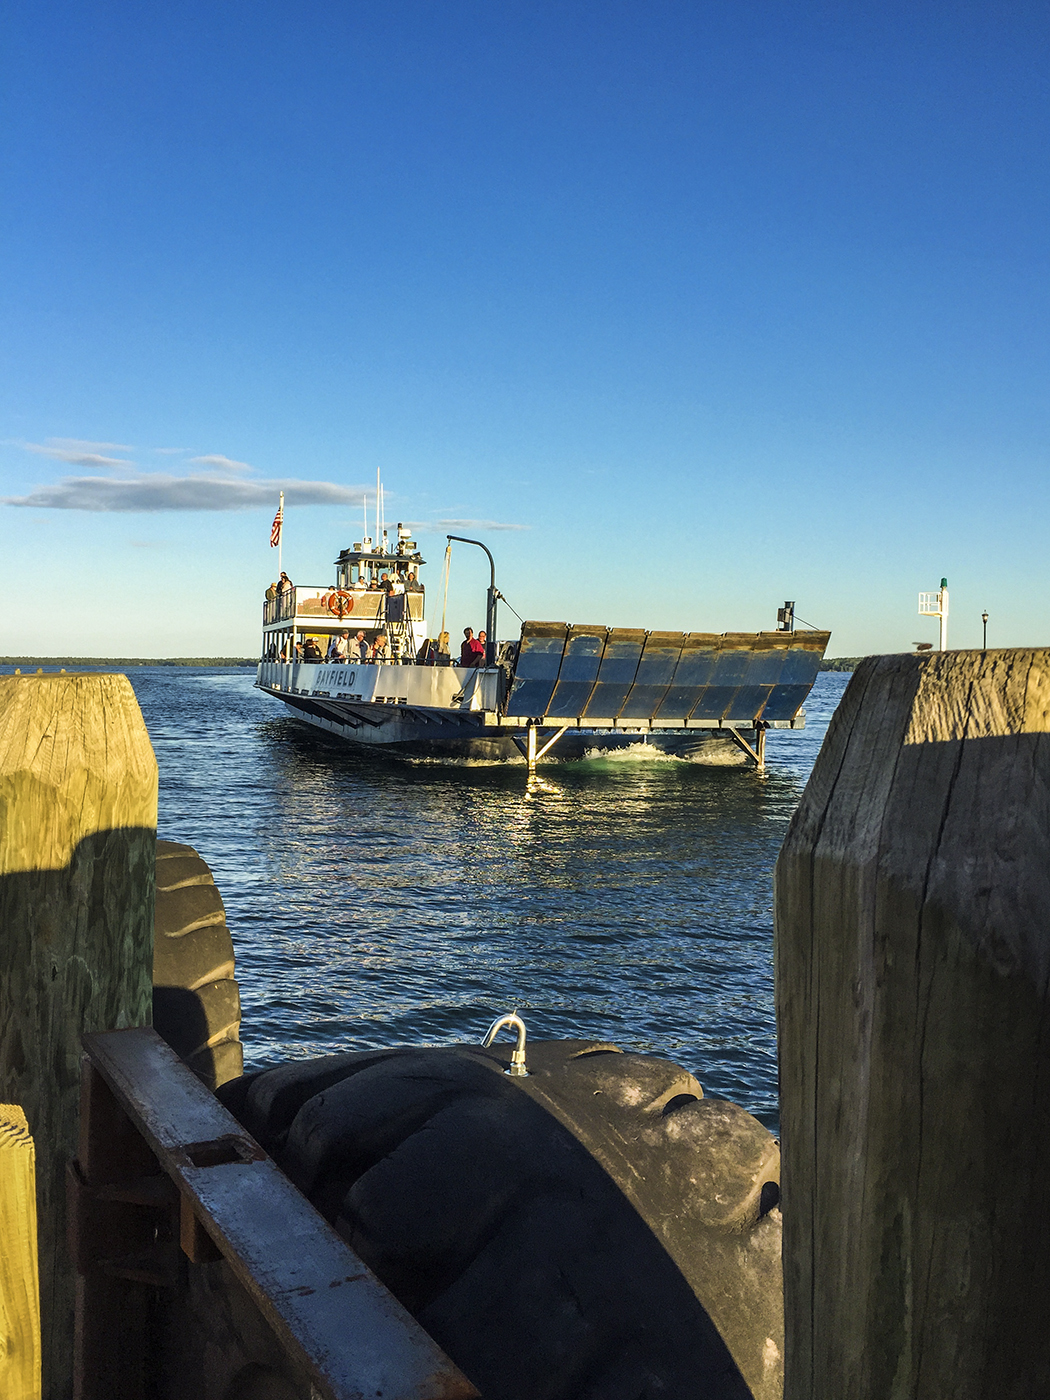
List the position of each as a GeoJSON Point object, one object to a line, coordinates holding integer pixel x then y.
{"type": "Point", "coordinates": [331, 1314]}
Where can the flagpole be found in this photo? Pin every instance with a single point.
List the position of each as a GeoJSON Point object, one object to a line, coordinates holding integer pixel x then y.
{"type": "Point", "coordinates": [280, 538]}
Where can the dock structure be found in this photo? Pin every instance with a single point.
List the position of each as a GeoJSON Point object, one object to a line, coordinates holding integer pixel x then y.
{"type": "Point", "coordinates": [913, 1005]}
{"type": "Point", "coordinates": [19, 1271]}
{"type": "Point", "coordinates": [140, 1173]}
{"type": "Point", "coordinates": [78, 819]}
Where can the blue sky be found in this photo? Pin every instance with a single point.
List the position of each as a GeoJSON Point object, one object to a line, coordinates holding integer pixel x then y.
{"type": "Point", "coordinates": [715, 304]}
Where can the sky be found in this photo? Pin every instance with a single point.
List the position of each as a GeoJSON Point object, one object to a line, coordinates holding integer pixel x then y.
{"type": "Point", "coordinates": [685, 309]}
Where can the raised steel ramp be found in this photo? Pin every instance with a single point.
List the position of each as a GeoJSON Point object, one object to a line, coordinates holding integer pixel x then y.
{"type": "Point", "coordinates": [609, 676]}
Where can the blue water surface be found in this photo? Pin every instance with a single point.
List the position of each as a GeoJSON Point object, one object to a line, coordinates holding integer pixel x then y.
{"type": "Point", "coordinates": [376, 902]}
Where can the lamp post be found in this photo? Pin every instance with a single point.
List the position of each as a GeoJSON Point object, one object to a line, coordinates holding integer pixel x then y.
{"type": "Point", "coordinates": [984, 621]}
{"type": "Point", "coordinates": [490, 600]}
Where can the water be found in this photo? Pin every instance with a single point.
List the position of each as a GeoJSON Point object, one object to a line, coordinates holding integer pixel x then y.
{"type": "Point", "coordinates": [376, 902]}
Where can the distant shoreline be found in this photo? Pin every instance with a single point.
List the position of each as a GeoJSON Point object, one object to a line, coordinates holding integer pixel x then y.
{"type": "Point", "coordinates": [831, 663]}
{"type": "Point", "coordinates": [111, 661]}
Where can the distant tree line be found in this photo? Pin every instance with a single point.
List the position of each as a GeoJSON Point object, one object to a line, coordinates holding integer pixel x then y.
{"type": "Point", "coordinates": [110, 663]}
{"type": "Point", "coordinates": [841, 663]}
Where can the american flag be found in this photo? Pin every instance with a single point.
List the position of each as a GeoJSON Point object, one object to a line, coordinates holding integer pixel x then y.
{"type": "Point", "coordinates": [275, 528]}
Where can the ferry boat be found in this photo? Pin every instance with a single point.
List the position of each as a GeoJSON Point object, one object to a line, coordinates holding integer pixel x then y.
{"type": "Point", "coordinates": [558, 689]}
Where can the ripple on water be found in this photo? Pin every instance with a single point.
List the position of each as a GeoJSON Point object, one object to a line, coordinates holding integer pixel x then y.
{"type": "Point", "coordinates": [377, 902]}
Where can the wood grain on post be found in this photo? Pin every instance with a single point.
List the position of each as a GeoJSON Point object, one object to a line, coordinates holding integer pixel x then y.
{"type": "Point", "coordinates": [19, 1288]}
{"type": "Point", "coordinates": [913, 966]}
{"type": "Point", "coordinates": [78, 817]}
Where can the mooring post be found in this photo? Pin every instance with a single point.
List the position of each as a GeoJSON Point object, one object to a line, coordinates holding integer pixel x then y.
{"type": "Point", "coordinates": [19, 1271]}
{"type": "Point", "coordinates": [78, 818]}
{"type": "Point", "coordinates": [530, 747]}
{"type": "Point", "coordinates": [913, 1000]}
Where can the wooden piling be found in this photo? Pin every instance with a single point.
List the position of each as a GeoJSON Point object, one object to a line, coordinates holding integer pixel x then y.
{"type": "Point", "coordinates": [913, 968]}
{"type": "Point", "coordinates": [78, 816]}
{"type": "Point", "coordinates": [19, 1287]}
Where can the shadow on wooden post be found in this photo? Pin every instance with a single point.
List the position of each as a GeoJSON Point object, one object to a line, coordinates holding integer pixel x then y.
{"type": "Point", "coordinates": [78, 817]}
{"type": "Point", "coordinates": [913, 963]}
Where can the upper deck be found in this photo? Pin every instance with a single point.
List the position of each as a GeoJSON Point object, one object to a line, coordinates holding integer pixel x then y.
{"type": "Point", "coordinates": [375, 585]}
{"type": "Point", "coordinates": [320, 609]}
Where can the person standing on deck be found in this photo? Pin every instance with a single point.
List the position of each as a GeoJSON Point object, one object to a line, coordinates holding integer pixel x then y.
{"type": "Point", "coordinates": [359, 648]}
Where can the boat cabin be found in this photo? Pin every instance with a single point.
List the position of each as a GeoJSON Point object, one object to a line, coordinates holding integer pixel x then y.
{"type": "Point", "coordinates": [376, 591]}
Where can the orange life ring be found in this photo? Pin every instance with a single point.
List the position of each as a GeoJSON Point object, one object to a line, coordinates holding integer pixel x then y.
{"type": "Point", "coordinates": [340, 603]}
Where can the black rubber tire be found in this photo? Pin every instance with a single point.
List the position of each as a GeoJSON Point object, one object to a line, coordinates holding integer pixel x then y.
{"type": "Point", "coordinates": [196, 1000]}
{"type": "Point", "coordinates": [597, 1231]}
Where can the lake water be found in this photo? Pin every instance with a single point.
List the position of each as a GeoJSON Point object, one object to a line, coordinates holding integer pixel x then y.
{"type": "Point", "coordinates": [378, 902]}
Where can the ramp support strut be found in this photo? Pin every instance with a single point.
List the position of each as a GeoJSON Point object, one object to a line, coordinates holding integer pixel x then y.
{"type": "Point", "coordinates": [532, 753]}
{"type": "Point", "coordinates": [758, 753]}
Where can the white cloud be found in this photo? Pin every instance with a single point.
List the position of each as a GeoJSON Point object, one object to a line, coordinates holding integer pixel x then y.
{"type": "Point", "coordinates": [222, 464]}
{"type": "Point", "coordinates": [161, 492]}
{"type": "Point", "coordinates": [78, 453]}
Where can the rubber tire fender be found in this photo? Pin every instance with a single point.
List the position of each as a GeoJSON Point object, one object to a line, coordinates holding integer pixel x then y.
{"type": "Point", "coordinates": [196, 999]}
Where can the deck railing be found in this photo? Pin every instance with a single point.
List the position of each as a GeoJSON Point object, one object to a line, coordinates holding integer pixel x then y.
{"type": "Point", "coordinates": [327, 606]}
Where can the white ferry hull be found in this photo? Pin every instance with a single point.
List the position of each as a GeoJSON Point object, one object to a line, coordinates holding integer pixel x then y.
{"type": "Point", "coordinates": [451, 713]}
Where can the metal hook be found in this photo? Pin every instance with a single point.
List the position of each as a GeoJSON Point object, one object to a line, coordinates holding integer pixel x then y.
{"type": "Point", "coordinates": [517, 1055]}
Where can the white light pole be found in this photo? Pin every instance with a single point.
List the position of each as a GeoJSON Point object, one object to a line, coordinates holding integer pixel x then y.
{"type": "Point", "coordinates": [936, 605]}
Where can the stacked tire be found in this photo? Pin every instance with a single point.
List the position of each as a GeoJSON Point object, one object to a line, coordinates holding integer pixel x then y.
{"type": "Point", "coordinates": [196, 1000]}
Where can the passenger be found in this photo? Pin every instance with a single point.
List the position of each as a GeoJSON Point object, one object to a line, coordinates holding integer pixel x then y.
{"type": "Point", "coordinates": [312, 652]}
{"type": "Point", "coordinates": [484, 644]}
{"type": "Point", "coordinates": [284, 583]}
{"type": "Point", "coordinates": [442, 646]}
{"type": "Point", "coordinates": [380, 651]}
{"type": "Point", "coordinates": [271, 593]}
{"type": "Point", "coordinates": [359, 649]}
{"type": "Point", "coordinates": [472, 652]}
{"type": "Point", "coordinates": [385, 585]}
{"type": "Point", "coordinates": [341, 647]}
{"type": "Point", "coordinates": [412, 584]}
{"type": "Point", "coordinates": [271, 654]}
{"type": "Point", "coordinates": [298, 651]}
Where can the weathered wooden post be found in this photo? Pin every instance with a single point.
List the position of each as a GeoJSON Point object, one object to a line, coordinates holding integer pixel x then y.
{"type": "Point", "coordinates": [78, 817]}
{"type": "Point", "coordinates": [913, 1001]}
{"type": "Point", "coordinates": [19, 1272]}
